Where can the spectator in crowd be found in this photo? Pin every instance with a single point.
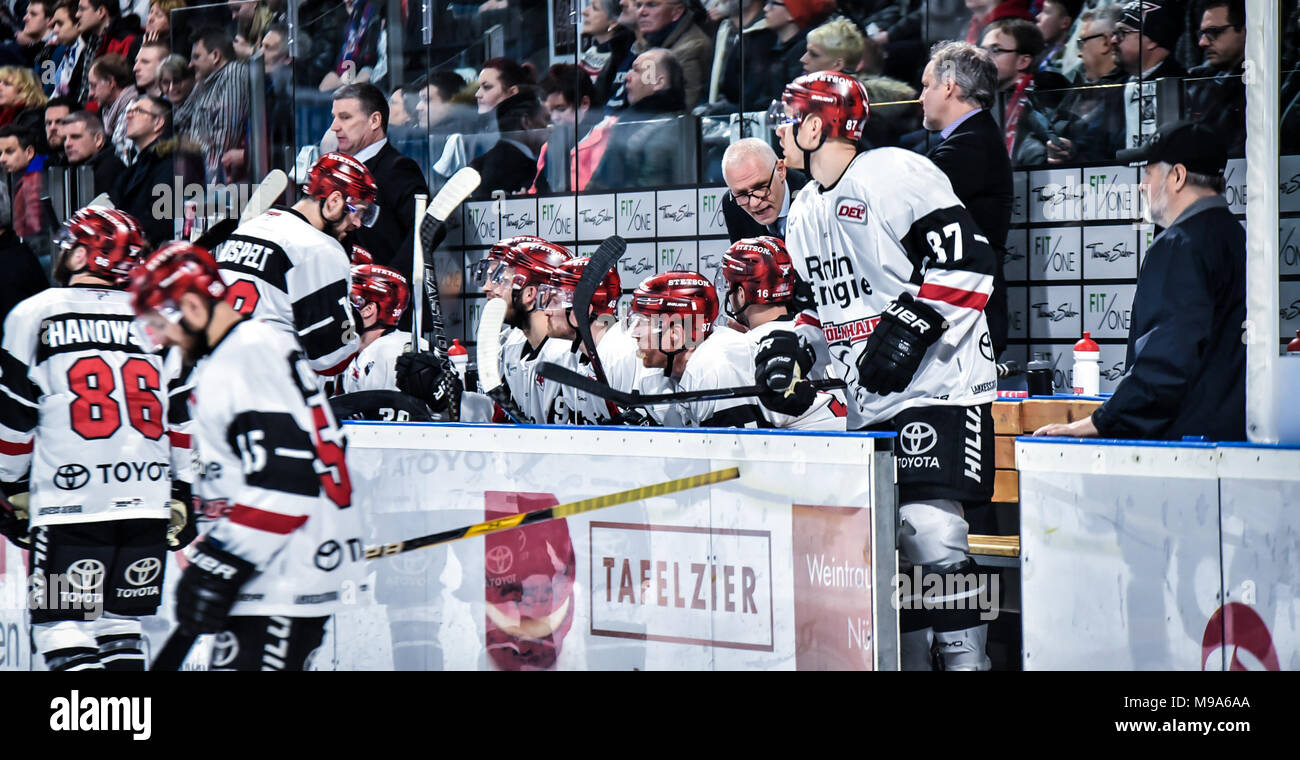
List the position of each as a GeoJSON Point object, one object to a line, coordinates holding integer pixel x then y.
{"type": "Point", "coordinates": [37, 27]}
{"type": "Point", "coordinates": [1146, 34]}
{"type": "Point", "coordinates": [359, 53]}
{"type": "Point", "coordinates": [643, 149]}
{"type": "Point", "coordinates": [17, 152]}
{"type": "Point", "coordinates": [111, 86]}
{"type": "Point", "coordinates": [1216, 93]}
{"type": "Point", "coordinates": [275, 47]}
{"type": "Point", "coordinates": [1014, 44]}
{"type": "Point", "coordinates": [511, 164]}
{"type": "Point", "coordinates": [361, 127]}
{"type": "Point", "coordinates": [906, 38]}
{"type": "Point", "coordinates": [760, 189]}
{"type": "Point", "coordinates": [215, 115]}
{"type": "Point", "coordinates": [176, 80]}
{"type": "Point", "coordinates": [71, 48]}
{"type": "Point", "coordinates": [1089, 123]}
{"type": "Point", "coordinates": [957, 89]}
{"type": "Point", "coordinates": [1186, 361]}
{"type": "Point", "coordinates": [836, 45]}
{"type": "Point", "coordinates": [158, 23]}
{"type": "Point", "coordinates": [985, 12]}
{"type": "Point", "coordinates": [1055, 21]}
{"type": "Point", "coordinates": [252, 21]}
{"type": "Point", "coordinates": [86, 144]}
{"type": "Point", "coordinates": [105, 32]}
{"type": "Point", "coordinates": [162, 160]}
{"type": "Point", "coordinates": [51, 52]}
{"type": "Point", "coordinates": [610, 89]}
{"type": "Point", "coordinates": [668, 24]}
{"type": "Point", "coordinates": [55, 110]}
{"type": "Point", "coordinates": [734, 18]}
{"type": "Point", "coordinates": [772, 55]}
{"type": "Point", "coordinates": [323, 22]}
{"type": "Point", "coordinates": [499, 79]}
{"type": "Point", "coordinates": [569, 96]}
{"type": "Point", "coordinates": [24, 275]}
{"type": "Point", "coordinates": [145, 70]}
{"type": "Point", "coordinates": [437, 108]}
{"type": "Point", "coordinates": [21, 99]}
{"type": "Point", "coordinates": [611, 47]}
{"type": "Point", "coordinates": [889, 123]}
{"type": "Point", "coordinates": [401, 103]}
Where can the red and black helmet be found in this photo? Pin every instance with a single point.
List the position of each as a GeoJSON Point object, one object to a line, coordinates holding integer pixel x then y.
{"type": "Point", "coordinates": [565, 281]}
{"type": "Point", "coordinates": [761, 268]}
{"type": "Point", "coordinates": [689, 295]}
{"type": "Point", "coordinates": [385, 288]}
{"type": "Point", "coordinates": [113, 239]}
{"type": "Point", "coordinates": [840, 100]}
{"type": "Point", "coordinates": [533, 262]}
{"type": "Point", "coordinates": [171, 271]}
{"type": "Point", "coordinates": [337, 171]}
{"type": "Point", "coordinates": [490, 268]}
{"type": "Point", "coordinates": [499, 248]}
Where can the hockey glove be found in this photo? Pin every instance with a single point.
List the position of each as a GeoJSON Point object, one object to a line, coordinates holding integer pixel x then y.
{"type": "Point", "coordinates": [209, 588]}
{"type": "Point", "coordinates": [803, 298]}
{"type": "Point", "coordinates": [907, 329]}
{"type": "Point", "coordinates": [781, 362]}
{"type": "Point", "coordinates": [429, 379]}
{"type": "Point", "coordinates": [183, 526]}
{"type": "Point", "coordinates": [13, 520]}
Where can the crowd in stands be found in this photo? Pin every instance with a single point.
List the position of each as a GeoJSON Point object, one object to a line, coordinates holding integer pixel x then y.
{"type": "Point", "coordinates": [142, 92]}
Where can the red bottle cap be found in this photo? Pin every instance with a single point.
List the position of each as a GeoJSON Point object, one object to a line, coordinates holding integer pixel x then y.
{"type": "Point", "coordinates": [456, 349]}
{"type": "Point", "coordinates": [1087, 344]}
{"type": "Point", "coordinates": [1294, 345]}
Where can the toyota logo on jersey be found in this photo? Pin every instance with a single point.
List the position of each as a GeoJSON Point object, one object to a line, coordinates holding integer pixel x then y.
{"type": "Point", "coordinates": [70, 477]}
{"type": "Point", "coordinates": [85, 574]}
{"type": "Point", "coordinates": [917, 438]}
{"type": "Point", "coordinates": [143, 571]}
{"type": "Point", "coordinates": [851, 210]}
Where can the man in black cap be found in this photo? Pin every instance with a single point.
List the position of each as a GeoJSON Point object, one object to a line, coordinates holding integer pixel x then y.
{"type": "Point", "coordinates": [1186, 362]}
{"type": "Point", "coordinates": [1145, 36]}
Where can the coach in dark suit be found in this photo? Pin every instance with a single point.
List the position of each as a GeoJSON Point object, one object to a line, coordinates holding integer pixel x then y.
{"type": "Point", "coordinates": [762, 190]}
{"type": "Point", "coordinates": [361, 126]}
{"type": "Point", "coordinates": [957, 91]}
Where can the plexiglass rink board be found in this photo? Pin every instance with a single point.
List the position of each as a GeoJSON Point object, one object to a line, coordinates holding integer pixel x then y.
{"type": "Point", "coordinates": [776, 570]}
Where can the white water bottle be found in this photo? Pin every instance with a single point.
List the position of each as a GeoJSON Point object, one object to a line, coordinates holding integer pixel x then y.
{"type": "Point", "coordinates": [1087, 367]}
{"type": "Point", "coordinates": [459, 356]}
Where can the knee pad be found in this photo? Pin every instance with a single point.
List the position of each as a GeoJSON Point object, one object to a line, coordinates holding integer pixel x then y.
{"type": "Point", "coordinates": [964, 649]}
{"type": "Point", "coordinates": [67, 645]}
{"type": "Point", "coordinates": [933, 533]}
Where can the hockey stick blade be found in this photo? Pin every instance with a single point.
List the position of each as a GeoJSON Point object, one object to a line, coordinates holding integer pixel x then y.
{"type": "Point", "coordinates": [433, 228]}
{"type": "Point", "coordinates": [100, 201]}
{"type": "Point", "coordinates": [604, 259]}
{"type": "Point", "coordinates": [265, 195]}
{"type": "Point", "coordinates": [553, 371]}
{"type": "Point", "coordinates": [487, 354]}
{"type": "Point", "coordinates": [174, 652]}
{"type": "Point", "coordinates": [556, 512]}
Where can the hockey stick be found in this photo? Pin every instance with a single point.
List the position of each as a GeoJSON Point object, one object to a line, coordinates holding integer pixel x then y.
{"type": "Point", "coordinates": [174, 652]}
{"type": "Point", "coordinates": [552, 371]}
{"type": "Point", "coordinates": [604, 259]}
{"type": "Point", "coordinates": [262, 198]}
{"type": "Point", "coordinates": [100, 201]}
{"type": "Point", "coordinates": [556, 512]}
{"type": "Point", "coordinates": [488, 354]}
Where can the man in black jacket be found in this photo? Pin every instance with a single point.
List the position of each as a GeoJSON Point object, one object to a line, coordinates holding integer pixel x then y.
{"type": "Point", "coordinates": [1186, 361]}
{"type": "Point", "coordinates": [761, 190]}
{"type": "Point", "coordinates": [161, 170]}
{"type": "Point", "coordinates": [647, 147]}
{"type": "Point", "coordinates": [1216, 90]}
{"type": "Point", "coordinates": [956, 94]}
{"type": "Point", "coordinates": [361, 126]}
{"type": "Point", "coordinates": [86, 144]}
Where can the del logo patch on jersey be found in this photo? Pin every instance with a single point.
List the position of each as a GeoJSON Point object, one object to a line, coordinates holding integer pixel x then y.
{"type": "Point", "coordinates": [851, 210]}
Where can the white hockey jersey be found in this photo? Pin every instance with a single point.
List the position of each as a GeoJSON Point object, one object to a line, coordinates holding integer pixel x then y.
{"type": "Point", "coordinates": [86, 409]}
{"type": "Point", "coordinates": [892, 223]}
{"type": "Point", "coordinates": [272, 464]}
{"type": "Point", "coordinates": [280, 269]}
{"type": "Point", "coordinates": [375, 367]}
{"type": "Point", "coordinates": [540, 401]}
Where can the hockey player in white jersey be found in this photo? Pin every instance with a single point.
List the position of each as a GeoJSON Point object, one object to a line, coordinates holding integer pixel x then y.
{"type": "Point", "coordinates": [756, 282]}
{"type": "Point", "coordinates": [380, 296]}
{"type": "Point", "coordinates": [901, 276]}
{"type": "Point", "coordinates": [84, 416]}
{"type": "Point", "coordinates": [287, 267]}
{"type": "Point", "coordinates": [268, 574]}
{"type": "Point", "coordinates": [616, 352]}
{"type": "Point", "coordinates": [672, 317]}
{"type": "Point", "coordinates": [514, 271]}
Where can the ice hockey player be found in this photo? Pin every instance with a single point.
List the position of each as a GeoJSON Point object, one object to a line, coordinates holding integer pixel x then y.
{"type": "Point", "coordinates": [672, 318]}
{"type": "Point", "coordinates": [85, 409]}
{"type": "Point", "coordinates": [616, 352]}
{"type": "Point", "coordinates": [757, 281]}
{"type": "Point", "coordinates": [901, 276]}
{"type": "Point", "coordinates": [514, 272]}
{"type": "Point", "coordinates": [269, 573]}
{"type": "Point", "coordinates": [287, 266]}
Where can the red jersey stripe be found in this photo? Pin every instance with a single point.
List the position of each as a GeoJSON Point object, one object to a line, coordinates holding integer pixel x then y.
{"type": "Point", "coordinates": [260, 519]}
{"type": "Point", "coordinates": [968, 299]}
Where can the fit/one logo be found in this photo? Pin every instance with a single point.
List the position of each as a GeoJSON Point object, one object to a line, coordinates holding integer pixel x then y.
{"type": "Point", "coordinates": [78, 713]}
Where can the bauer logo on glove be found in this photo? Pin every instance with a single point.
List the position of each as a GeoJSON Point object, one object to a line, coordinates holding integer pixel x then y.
{"type": "Point", "coordinates": [894, 350]}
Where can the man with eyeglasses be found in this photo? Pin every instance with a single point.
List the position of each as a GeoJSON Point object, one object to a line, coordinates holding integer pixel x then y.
{"type": "Point", "coordinates": [1089, 123]}
{"type": "Point", "coordinates": [1055, 21]}
{"type": "Point", "coordinates": [1216, 95]}
{"type": "Point", "coordinates": [1145, 36]}
{"type": "Point", "coordinates": [761, 188]}
{"type": "Point", "coordinates": [666, 24]}
{"type": "Point", "coordinates": [157, 163]}
{"type": "Point", "coordinates": [1015, 45]}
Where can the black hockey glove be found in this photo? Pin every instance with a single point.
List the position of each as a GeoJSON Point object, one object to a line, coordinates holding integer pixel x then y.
{"type": "Point", "coordinates": [182, 527]}
{"type": "Point", "coordinates": [907, 329]}
{"type": "Point", "coordinates": [209, 588]}
{"type": "Point", "coordinates": [13, 520]}
{"type": "Point", "coordinates": [803, 298]}
{"type": "Point", "coordinates": [783, 360]}
{"type": "Point", "coordinates": [429, 379]}
{"type": "Point", "coordinates": [634, 417]}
